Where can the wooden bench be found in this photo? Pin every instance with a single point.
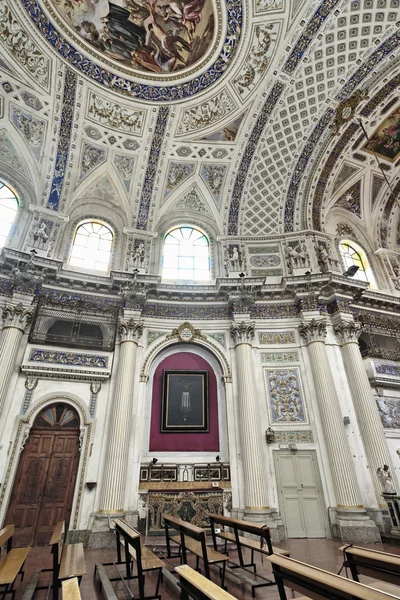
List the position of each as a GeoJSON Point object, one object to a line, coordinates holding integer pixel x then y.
{"type": "Point", "coordinates": [145, 559]}
{"type": "Point", "coordinates": [263, 545]}
{"type": "Point", "coordinates": [198, 587]}
{"type": "Point", "coordinates": [105, 583]}
{"type": "Point", "coordinates": [12, 563]}
{"type": "Point", "coordinates": [317, 583]}
{"type": "Point", "coordinates": [70, 589]}
{"type": "Point", "coordinates": [193, 538]}
{"type": "Point", "coordinates": [380, 565]}
{"type": "Point", "coordinates": [68, 560]}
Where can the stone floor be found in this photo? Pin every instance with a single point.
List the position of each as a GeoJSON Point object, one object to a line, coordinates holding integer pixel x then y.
{"type": "Point", "coordinates": [320, 553]}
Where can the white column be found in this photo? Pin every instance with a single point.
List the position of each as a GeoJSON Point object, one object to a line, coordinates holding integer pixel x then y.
{"type": "Point", "coordinates": [368, 418]}
{"type": "Point", "coordinates": [16, 318]}
{"type": "Point", "coordinates": [251, 436]}
{"type": "Point", "coordinates": [116, 461]}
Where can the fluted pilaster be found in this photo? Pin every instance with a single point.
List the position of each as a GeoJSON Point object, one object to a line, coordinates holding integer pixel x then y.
{"type": "Point", "coordinates": [253, 467]}
{"type": "Point", "coordinates": [344, 476]}
{"type": "Point", "coordinates": [368, 418]}
{"type": "Point", "coordinates": [116, 461]}
{"type": "Point", "coordinates": [15, 318]}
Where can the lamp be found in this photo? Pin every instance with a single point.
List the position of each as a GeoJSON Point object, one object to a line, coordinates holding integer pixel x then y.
{"type": "Point", "coordinates": [351, 271]}
{"type": "Point", "coordinates": [217, 458]}
{"type": "Point", "coordinates": [270, 436]}
{"type": "Point", "coordinates": [154, 461]}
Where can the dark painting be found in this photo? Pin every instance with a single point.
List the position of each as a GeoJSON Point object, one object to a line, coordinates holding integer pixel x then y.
{"type": "Point", "coordinates": [185, 401]}
{"type": "Point", "coordinates": [385, 141]}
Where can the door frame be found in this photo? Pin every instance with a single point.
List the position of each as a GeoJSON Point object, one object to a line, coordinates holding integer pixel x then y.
{"type": "Point", "coordinates": [279, 490]}
{"type": "Point", "coordinates": [20, 435]}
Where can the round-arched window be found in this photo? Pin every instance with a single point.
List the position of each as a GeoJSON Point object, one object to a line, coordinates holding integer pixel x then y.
{"type": "Point", "coordinates": [92, 247]}
{"type": "Point", "coordinates": [186, 255]}
{"type": "Point", "coordinates": [57, 416]}
{"type": "Point", "coordinates": [8, 211]}
{"type": "Point", "coordinates": [353, 255]}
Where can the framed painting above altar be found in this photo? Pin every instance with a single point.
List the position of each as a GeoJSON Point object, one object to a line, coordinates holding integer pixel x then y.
{"type": "Point", "coordinates": [184, 402]}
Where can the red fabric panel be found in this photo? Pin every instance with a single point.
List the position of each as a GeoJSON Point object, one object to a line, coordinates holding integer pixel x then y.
{"type": "Point", "coordinates": [184, 442]}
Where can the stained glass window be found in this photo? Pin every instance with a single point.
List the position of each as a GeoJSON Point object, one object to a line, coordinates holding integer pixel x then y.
{"type": "Point", "coordinates": [186, 255]}
{"type": "Point", "coordinates": [8, 211]}
{"type": "Point", "coordinates": [92, 246]}
{"type": "Point", "coordinates": [352, 254]}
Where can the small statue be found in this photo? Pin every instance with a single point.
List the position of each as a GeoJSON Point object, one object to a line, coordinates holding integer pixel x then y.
{"type": "Point", "coordinates": [40, 235]}
{"type": "Point", "coordinates": [234, 258]}
{"type": "Point", "coordinates": [386, 480]}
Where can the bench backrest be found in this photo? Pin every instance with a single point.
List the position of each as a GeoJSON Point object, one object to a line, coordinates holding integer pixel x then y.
{"type": "Point", "coordinates": [261, 531]}
{"type": "Point", "coordinates": [373, 563]}
{"type": "Point", "coordinates": [57, 540]}
{"type": "Point", "coordinates": [186, 528]}
{"type": "Point", "coordinates": [133, 547]}
{"type": "Point", "coordinates": [317, 583]}
{"type": "Point", "coordinates": [6, 536]}
{"type": "Point", "coordinates": [199, 587]}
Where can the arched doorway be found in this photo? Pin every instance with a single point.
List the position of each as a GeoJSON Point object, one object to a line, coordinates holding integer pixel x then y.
{"type": "Point", "coordinates": [45, 480]}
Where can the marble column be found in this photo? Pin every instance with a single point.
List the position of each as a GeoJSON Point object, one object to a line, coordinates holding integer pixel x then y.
{"type": "Point", "coordinates": [252, 439]}
{"type": "Point", "coordinates": [116, 461]}
{"type": "Point", "coordinates": [16, 317]}
{"type": "Point", "coordinates": [353, 524]}
{"type": "Point", "coordinates": [368, 418]}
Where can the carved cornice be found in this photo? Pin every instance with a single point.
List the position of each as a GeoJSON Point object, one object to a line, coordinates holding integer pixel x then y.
{"type": "Point", "coordinates": [348, 333]}
{"type": "Point", "coordinates": [242, 333]}
{"type": "Point", "coordinates": [130, 331]}
{"type": "Point", "coordinates": [313, 331]}
{"type": "Point", "coordinates": [17, 316]}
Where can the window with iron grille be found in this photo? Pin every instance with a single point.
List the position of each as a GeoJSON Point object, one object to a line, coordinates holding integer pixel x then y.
{"type": "Point", "coordinates": [79, 327]}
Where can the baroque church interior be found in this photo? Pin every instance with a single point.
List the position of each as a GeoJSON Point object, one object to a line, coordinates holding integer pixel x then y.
{"type": "Point", "coordinates": [200, 266]}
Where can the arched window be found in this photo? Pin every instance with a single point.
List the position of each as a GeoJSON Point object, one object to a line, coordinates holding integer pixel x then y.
{"type": "Point", "coordinates": [353, 254]}
{"type": "Point", "coordinates": [92, 245]}
{"type": "Point", "coordinates": [8, 211]}
{"type": "Point", "coordinates": [186, 255]}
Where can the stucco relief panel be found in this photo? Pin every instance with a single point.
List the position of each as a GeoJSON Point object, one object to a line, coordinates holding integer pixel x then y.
{"type": "Point", "coordinates": [285, 396]}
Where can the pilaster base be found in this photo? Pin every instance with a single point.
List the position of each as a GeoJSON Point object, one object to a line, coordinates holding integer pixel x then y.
{"type": "Point", "coordinates": [353, 525]}
{"type": "Point", "coordinates": [102, 534]}
{"type": "Point", "coordinates": [267, 516]}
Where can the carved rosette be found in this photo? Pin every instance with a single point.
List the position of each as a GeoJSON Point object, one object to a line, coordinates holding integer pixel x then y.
{"type": "Point", "coordinates": [17, 316]}
{"type": "Point", "coordinates": [130, 331]}
{"type": "Point", "coordinates": [242, 333]}
{"type": "Point", "coordinates": [313, 331]}
{"type": "Point", "coordinates": [348, 333]}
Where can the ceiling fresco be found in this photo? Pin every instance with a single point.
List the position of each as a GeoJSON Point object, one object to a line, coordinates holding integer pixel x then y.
{"type": "Point", "coordinates": [385, 141]}
{"type": "Point", "coordinates": [156, 36]}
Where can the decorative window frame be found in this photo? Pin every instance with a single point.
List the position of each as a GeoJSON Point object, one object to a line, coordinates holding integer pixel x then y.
{"type": "Point", "coordinates": [363, 253]}
{"type": "Point", "coordinates": [115, 248]}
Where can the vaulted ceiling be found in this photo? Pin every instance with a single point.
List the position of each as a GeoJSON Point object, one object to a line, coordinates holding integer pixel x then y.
{"type": "Point", "coordinates": [244, 139]}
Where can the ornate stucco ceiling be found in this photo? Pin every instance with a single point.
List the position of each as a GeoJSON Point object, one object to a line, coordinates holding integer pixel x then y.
{"type": "Point", "coordinates": [241, 139]}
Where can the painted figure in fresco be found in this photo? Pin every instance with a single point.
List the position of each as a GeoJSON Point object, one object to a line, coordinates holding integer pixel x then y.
{"type": "Point", "coordinates": [122, 35]}
{"type": "Point", "coordinates": [386, 480]}
{"type": "Point", "coordinates": [166, 40]}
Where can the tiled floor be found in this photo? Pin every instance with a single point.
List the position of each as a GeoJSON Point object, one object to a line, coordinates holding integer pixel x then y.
{"type": "Point", "coordinates": [320, 553]}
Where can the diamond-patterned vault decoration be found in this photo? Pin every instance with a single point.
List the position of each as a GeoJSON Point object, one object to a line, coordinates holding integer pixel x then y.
{"type": "Point", "coordinates": [213, 176]}
{"type": "Point", "coordinates": [351, 200]}
{"type": "Point", "coordinates": [192, 200]}
{"type": "Point", "coordinates": [346, 172]}
{"type": "Point", "coordinates": [178, 172]}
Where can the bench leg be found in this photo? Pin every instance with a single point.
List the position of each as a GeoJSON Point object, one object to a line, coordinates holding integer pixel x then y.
{"type": "Point", "coordinates": [223, 575]}
{"type": "Point", "coordinates": [158, 582]}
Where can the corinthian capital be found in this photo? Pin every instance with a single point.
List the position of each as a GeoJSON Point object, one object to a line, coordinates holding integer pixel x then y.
{"type": "Point", "coordinates": [242, 333]}
{"type": "Point", "coordinates": [348, 332]}
{"type": "Point", "coordinates": [130, 331]}
{"type": "Point", "coordinates": [17, 316]}
{"type": "Point", "coordinates": [313, 331]}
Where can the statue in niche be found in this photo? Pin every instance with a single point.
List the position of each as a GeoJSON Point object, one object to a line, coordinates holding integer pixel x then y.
{"type": "Point", "coordinates": [40, 235]}
{"type": "Point", "coordinates": [296, 255]}
{"type": "Point", "coordinates": [234, 260]}
{"type": "Point", "coordinates": [386, 480]}
{"type": "Point", "coordinates": [396, 276]}
{"type": "Point", "coordinates": [138, 255]}
{"type": "Point", "coordinates": [325, 261]}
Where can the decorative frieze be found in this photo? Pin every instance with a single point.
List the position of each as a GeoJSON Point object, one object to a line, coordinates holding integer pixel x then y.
{"type": "Point", "coordinates": [68, 358]}
{"type": "Point", "coordinates": [152, 336]}
{"type": "Point", "coordinates": [242, 333]}
{"type": "Point", "coordinates": [313, 331]}
{"type": "Point", "coordinates": [17, 316]}
{"type": "Point", "coordinates": [285, 397]}
{"type": "Point", "coordinates": [130, 331]}
{"type": "Point", "coordinates": [279, 357]}
{"type": "Point", "coordinates": [276, 337]}
{"type": "Point", "coordinates": [387, 369]}
{"type": "Point", "coordinates": [300, 436]}
{"type": "Point", "coordinates": [101, 110]}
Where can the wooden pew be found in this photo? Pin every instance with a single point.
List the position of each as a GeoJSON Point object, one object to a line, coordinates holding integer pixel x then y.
{"type": "Point", "coordinates": [145, 559]}
{"type": "Point", "coordinates": [70, 589]}
{"type": "Point", "coordinates": [380, 565]}
{"type": "Point", "coordinates": [193, 538]}
{"type": "Point", "coordinates": [317, 583]}
{"type": "Point", "coordinates": [68, 559]}
{"type": "Point", "coordinates": [12, 563]}
{"type": "Point", "coordinates": [198, 587]}
{"type": "Point", "coordinates": [239, 527]}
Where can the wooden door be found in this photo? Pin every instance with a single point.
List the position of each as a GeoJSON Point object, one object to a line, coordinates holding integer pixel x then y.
{"type": "Point", "coordinates": [45, 480]}
{"type": "Point", "coordinates": [299, 490]}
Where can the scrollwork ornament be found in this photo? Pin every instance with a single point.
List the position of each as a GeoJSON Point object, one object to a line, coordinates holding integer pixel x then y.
{"type": "Point", "coordinates": [348, 333]}
{"type": "Point", "coordinates": [17, 316]}
{"type": "Point", "coordinates": [130, 331]}
{"type": "Point", "coordinates": [242, 333]}
{"type": "Point", "coordinates": [313, 331]}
